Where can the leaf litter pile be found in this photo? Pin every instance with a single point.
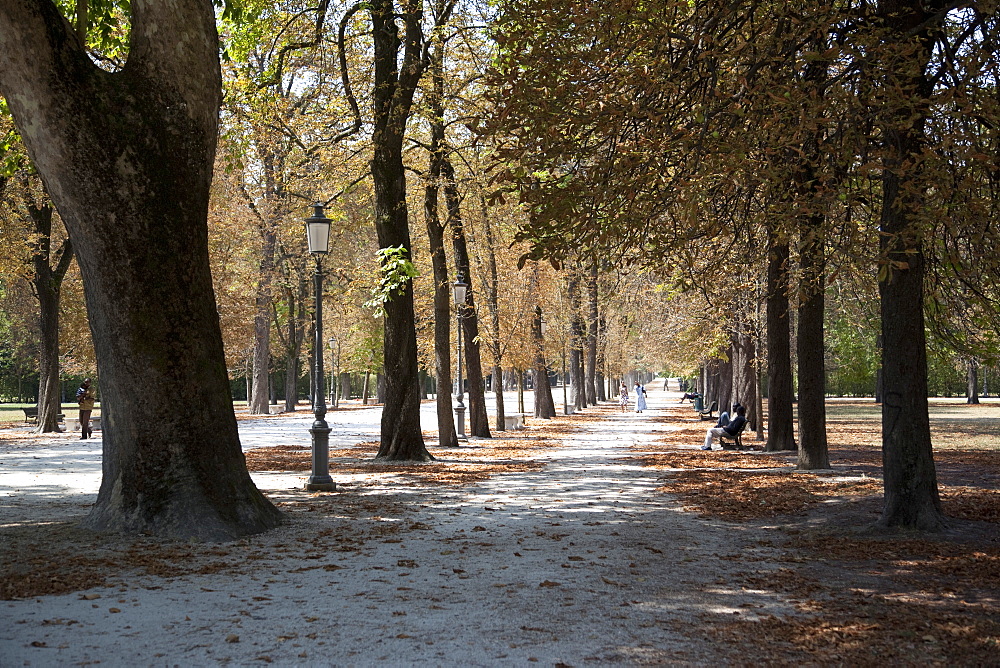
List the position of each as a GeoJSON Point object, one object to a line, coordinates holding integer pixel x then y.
{"type": "Point", "coordinates": [862, 595]}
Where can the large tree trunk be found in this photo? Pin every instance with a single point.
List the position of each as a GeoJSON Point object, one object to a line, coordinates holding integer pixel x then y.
{"type": "Point", "coordinates": [911, 492]}
{"type": "Point", "coordinates": [447, 436]}
{"type": "Point", "coordinates": [578, 339]}
{"type": "Point", "coordinates": [479, 421]}
{"type": "Point", "coordinates": [293, 346]}
{"type": "Point", "coordinates": [780, 432]}
{"type": "Point", "coordinates": [591, 379]}
{"type": "Point", "coordinates": [137, 215]}
{"type": "Point", "coordinates": [395, 82]}
{"type": "Point", "coordinates": [813, 449]}
{"type": "Point", "coordinates": [48, 286]}
{"type": "Point", "coordinates": [545, 407]}
{"type": "Point", "coordinates": [602, 363]}
{"type": "Point", "coordinates": [745, 373]}
{"type": "Point", "coordinates": [811, 353]}
{"type": "Point", "coordinates": [972, 382]}
{"type": "Point", "coordinates": [260, 398]}
{"type": "Point", "coordinates": [493, 304]}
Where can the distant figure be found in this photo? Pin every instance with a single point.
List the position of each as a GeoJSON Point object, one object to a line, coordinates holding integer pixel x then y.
{"type": "Point", "coordinates": [623, 396]}
{"type": "Point", "coordinates": [732, 429]}
{"type": "Point", "coordinates": [85, 398]}
{"type": "Point", "coordinates": [724, 416]}
{"type": "Point", "coordinates": [640, 397]}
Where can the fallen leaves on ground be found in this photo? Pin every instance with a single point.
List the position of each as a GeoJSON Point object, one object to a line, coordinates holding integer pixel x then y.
{"type": "Point", "coordinates": [862, 598]}
{"type": "Point", "coordinates": [452, 466]}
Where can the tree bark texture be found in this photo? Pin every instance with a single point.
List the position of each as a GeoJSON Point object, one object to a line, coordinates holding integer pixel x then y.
{"type": "Point", "coordinates": [395, 82]}
{"type": "Point", "coordinates": [260, 399]}
{"type": "Point", "coordinates": [48, 288]}
{"type": "Point", "coordinates": [780, 432]}
{"type": "Point", "coordinates": [911, 492]}
{"type": "Point", "coordinates": [972, 382]}
{"type": "Point", "coordinates": [545, 407]}
{"type": "Point", "coordinates": [293, 344]}
{"type": "Point", "coordinates": [745, 373]}
{"type": "Point", "coordinates": [493, 305]}
{"type": "Point", "coordinates": [813, 449]}
{"type": "Point", "coordinates": [577, 342]}
{"type": "Point", "coordinates": [479, 420]}
{"type": "Point", "coordinates": [137, 213]}
{"type": "Point", "coordinates": [592, 321]}
{"type": "Point", "coordinates": [448, 438]}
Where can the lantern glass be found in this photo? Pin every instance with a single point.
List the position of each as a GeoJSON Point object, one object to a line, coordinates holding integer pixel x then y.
{"type": "Point", "coordinates": [318, 231]}
{"type": "Point", "coordinates": [459, 288]}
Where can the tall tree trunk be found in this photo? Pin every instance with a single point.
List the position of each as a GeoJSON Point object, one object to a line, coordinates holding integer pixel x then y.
{"type": "Point", "coordinates": [813, 449]}
{"type": "Point", "coordinates": [439, 262]}
{"type": "Point", "coordinates": [545, 407]}
{"type": "Point", "coordinates": [592, 312]}
{"type": "Point", "coordinates": [479, 420]}
{"type": "Point", "coordinates": [911, 492]}
{"type": "Point", "coordinates": [395, 82]}
{"type": "Point", "coordinates": [745, 373]}
{"type": "Point", "coordinates": [493, 304]}
{"type": "Point", "coordinates": [345, 385]}
{"type": "Point", "coordinates": [724, 393]}
{"type": "Point", "coordinates": [810, 347]}
{"type": "Point", "coordinates": [780, 432]}
{"type": "Point", "coordinates": [292, 346]}
{"type": "Point", "coordinates": [578, 390]}
{"type": "Point", "coordinates": [172, 462]}
{"type": "Point", "coordinates": [972, 382]}
{"type": "Point", "coordinates": [602, 363]}
{"type": "Point", "coordinates": [260, 399]}
{"type": "Point", "coordinates": [47, 282]}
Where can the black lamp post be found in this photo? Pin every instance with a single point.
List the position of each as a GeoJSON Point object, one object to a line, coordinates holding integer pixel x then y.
{"type": "Point", "coordinates": [459, 288]}
{"type": "Point", "coordinates": [318, 237]}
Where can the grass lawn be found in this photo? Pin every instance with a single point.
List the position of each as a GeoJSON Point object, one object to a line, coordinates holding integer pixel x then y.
{"type": "Point", "coordinates": [12, 415]}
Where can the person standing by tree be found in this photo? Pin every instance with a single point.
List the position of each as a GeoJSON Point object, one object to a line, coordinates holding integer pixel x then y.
{"type": "Point", "coordinates": [85, 398]}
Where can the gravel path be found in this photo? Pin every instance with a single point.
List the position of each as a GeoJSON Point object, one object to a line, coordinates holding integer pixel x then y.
{"type": "Point", "coordinates": [582, 562]}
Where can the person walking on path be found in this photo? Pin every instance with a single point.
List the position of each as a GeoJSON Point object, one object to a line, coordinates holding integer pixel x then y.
{"type": "Point", "coordinates": [640, 397]}
{"type": "Point", "coordinates": [85, 398]}
{"type": "Point", "coordinates": [623, 397]}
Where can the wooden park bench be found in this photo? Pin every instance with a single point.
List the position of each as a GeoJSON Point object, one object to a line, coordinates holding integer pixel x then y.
{"type": "Point", "coordinates": [733, 442]}
{"type": "Point", "coordinates": [31, 414]}
{"type": "Point", "coordinates": [707, 414]}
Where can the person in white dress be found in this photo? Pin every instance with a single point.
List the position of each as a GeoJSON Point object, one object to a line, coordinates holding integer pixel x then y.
{"type": "Point", "coordinates": [640, 398]}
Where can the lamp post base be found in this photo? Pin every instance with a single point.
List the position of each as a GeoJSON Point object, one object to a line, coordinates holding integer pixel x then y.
{"type": "Point", "coordinates": [460, 422]}
{"type": "Point", "coordinates": [320, 480]}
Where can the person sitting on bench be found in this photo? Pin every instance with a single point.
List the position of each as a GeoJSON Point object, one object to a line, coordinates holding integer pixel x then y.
{"type": "Point", "coordinates": [689, 395]}
{"type": "Point", "coordinates": [725, 417]}
{"type": "Point", "coordinates": [732, 429]}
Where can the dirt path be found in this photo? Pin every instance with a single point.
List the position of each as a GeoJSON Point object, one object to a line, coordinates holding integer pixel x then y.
{"type": "Point", "coordinates": [580, 562]}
